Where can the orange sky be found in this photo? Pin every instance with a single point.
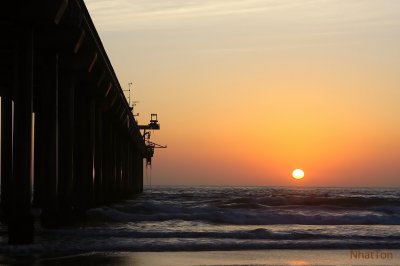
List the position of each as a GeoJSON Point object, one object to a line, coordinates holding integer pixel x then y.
{"type": "Point", "coordinates": [247, 90]}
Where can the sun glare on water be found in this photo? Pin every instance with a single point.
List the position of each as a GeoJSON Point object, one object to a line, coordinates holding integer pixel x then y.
{"type": "Point", "coordinates": [298, 174]}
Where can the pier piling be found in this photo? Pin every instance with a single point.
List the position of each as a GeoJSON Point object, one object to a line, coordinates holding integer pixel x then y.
{"type": "Point", "coordinates": [69, 140]}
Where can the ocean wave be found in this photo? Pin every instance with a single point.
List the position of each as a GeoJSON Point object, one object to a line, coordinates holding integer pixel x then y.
{"type": "Point", "coordinates": [301, 200]}
{"type": "Point", "coordinates": [259, 206]}
{"type": "Point", "coordinates": [253, 234]}
{"type": "Point", "coordinates": [243, 216]}
{"type": "Point", "coordinates": [189, 244]}
{"type": "Point", "coordinates": [177, 219]}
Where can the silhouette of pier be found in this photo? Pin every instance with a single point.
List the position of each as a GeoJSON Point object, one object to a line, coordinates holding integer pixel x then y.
{"type": "Point", "coordinates": [69, 140]}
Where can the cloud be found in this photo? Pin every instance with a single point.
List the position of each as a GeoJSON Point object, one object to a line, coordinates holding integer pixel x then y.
{"type": "Point", "coordinates": [275, 17]}
{"type": "Point", "coordinates": [128, 13]}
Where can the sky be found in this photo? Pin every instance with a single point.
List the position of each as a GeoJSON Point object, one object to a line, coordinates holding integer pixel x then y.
{"type": "Point", "coordinates": [248, 90]}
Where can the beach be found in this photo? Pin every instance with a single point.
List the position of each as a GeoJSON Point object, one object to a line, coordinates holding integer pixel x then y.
{"type": "Point", "coordinates": [214, 258]}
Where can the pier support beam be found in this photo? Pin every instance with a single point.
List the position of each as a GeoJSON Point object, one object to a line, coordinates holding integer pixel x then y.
{"type": "Point", "coordinates": [84, 147]}
{"type": "Point", "coordinates": [138, 173]}
{"type": "Point", "coordinates": [98, 180]}
{"type": "Point", "coordinates": [113, 164]}
{"type": "Point", "coordinates": [6, 149]}
{"type": "Point", "coordinates": [118, 165]}
{"type": "Point", "coordinates": [66, 146]}
{"type": "Point", "coordinates": [106, 159]}
{"type": "Point", "coordinates": [50, 144]}
{"type": "Point", "coordinates": [20, 222]}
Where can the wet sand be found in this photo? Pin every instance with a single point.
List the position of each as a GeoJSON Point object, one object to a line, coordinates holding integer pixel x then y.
{"type": "Point", "coordinates": [256, 257]}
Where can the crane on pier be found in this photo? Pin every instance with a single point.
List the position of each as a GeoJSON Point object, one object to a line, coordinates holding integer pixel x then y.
{"type": "Point", "coordinates": [150, 146]}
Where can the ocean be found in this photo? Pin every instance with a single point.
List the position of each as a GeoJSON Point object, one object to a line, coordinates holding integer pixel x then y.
{"type": "Point", "coordinates": [233, 218]}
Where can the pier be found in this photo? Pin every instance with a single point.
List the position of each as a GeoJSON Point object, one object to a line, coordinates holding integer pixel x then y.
{"type": "Point", "coordinates": [69, 140]}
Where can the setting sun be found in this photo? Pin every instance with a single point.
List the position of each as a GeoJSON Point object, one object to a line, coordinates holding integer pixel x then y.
{"type": "Point", "coordinates": [298, 174]}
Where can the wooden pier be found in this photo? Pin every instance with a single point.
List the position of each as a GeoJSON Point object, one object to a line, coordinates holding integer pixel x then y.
{"type": "Point", "coordinates": [69, 140]}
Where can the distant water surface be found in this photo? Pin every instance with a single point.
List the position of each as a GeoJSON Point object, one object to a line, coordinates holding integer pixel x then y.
{"type": "Point", "coordinates": [236, 218]}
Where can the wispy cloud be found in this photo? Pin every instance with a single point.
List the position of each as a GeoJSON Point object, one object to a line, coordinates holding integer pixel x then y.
{"type": "Point", "coordinates": [125, 14]}
{"type": "Point", "coordinates": [216, 26]}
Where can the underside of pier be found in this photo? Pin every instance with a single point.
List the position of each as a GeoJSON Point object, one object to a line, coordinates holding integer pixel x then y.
{"type": "Point", "coordinates": [69, 140]}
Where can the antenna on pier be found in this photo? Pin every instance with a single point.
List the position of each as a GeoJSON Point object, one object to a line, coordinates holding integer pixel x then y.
{"type": "Point", "coordinates": [129, 93]}
{"type": "Point", "coordinates": [129, 96]}
{"type": "Point", "coordinates": [133, 105]}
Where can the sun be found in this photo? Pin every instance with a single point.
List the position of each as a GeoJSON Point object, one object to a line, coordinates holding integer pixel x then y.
{"type": "Point", "coordinates": [298, 174]}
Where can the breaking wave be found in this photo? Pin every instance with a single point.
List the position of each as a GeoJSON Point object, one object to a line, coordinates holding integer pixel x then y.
{"type": "Point", "coordinates": [243, 218]}
{"type": "Point", "coordinates": [313, 207]}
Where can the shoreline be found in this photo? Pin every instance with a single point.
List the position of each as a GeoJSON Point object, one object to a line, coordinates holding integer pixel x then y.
{"type": "Point", "coordinates": [284, 257]}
